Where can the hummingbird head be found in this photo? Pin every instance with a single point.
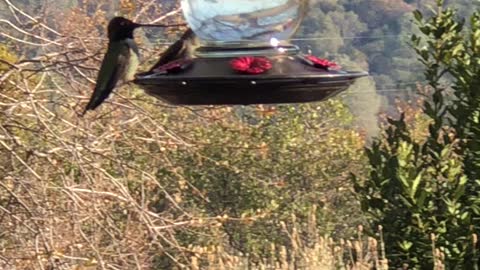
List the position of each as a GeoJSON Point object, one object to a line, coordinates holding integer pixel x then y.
{"type": "Point", "coordinates": [121, 28]}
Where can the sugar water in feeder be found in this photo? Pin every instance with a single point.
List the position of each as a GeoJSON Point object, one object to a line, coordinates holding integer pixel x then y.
{"type": "Point", "coordinates": [239, 21]}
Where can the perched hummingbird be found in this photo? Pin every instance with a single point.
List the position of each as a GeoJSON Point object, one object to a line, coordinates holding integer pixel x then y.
{"type": "Point", "coordinates": [120, 61]}
{"type": "Point", "coordinates": [183, 47]}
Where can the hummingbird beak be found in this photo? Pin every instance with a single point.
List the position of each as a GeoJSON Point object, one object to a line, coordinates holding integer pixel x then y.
{"type": "Point", "coordinates": [160, 25]}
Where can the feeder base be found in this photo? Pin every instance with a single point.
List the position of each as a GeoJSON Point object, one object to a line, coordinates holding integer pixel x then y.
{"type": "Point", "coordinates": [211, 81]}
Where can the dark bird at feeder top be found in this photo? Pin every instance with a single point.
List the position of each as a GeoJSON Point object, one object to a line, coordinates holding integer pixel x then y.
{"type": "Point", "coordinates": [182, 48]}
{"type": "Point", "coordinates": [121, 60]}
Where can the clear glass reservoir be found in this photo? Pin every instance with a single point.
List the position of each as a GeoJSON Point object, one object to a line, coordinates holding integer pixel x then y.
{"type": "Point", "coordinates": [218, 22]}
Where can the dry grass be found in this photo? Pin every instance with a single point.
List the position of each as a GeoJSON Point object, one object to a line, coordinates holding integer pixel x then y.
{"type": "Point", "coordinates": [310, 252]}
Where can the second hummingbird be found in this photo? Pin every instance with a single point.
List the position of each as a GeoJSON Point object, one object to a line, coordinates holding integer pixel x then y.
{"type": "Point", "coordinates": [121, 60]}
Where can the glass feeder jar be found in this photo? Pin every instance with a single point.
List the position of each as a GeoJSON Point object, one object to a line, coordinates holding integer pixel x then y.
{"type": "Point", "coordinates": [243, 23]}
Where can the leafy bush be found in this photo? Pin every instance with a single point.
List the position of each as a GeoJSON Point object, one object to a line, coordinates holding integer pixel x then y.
{"type": "Point", "coordinates": [424, 191]}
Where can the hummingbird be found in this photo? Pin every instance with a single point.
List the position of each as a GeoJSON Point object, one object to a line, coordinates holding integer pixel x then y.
{"type": "Point", "coordinates": [182, 48]}
{"type": "Point", "coordinates": [121, 59]}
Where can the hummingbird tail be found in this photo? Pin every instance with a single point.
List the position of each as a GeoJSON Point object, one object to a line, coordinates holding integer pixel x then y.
{"type": "Point", "coordinates": [84, 112]}
{"type": "Point", "coordinates": [92, 105]}
{"type": "Point", "coordinates": [87, 108]}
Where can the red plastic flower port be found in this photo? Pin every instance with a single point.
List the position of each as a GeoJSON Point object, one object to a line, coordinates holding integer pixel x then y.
{"type": "Point", "coordinates": [320, 62]}
{"type": "Point", "coordinates": [175, 66]}
{"type": "Point", "coordinates": [251, 65]}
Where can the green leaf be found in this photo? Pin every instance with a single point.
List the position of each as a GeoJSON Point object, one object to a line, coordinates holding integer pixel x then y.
{"type": "Point", "coordinates": [416, 183]}
{"type": "Point", "coordinates": [405, 245]}
{"type": "Point", "coordinates": [418, 15]}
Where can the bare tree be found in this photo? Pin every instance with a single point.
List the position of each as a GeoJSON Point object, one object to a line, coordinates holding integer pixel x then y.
{"type": "Point", "coordinates": [64, 196]}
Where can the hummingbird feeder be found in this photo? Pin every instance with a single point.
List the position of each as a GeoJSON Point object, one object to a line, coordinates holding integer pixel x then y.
{"type": "Point", "coordinates": [244, 58]}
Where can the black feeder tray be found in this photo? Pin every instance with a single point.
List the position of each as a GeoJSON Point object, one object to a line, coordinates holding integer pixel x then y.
{"type": "Point", "coordinates": [211, 80]}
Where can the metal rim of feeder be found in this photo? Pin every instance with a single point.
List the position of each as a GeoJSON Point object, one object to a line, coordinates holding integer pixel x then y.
{"type": "Point", "coordinates": [238, 49]}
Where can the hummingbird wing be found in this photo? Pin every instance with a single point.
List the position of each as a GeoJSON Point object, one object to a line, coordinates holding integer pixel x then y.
{"type": "Point", "coordinates": [112, 69]}
{"type": "Point", "coordinates": [176, 51]}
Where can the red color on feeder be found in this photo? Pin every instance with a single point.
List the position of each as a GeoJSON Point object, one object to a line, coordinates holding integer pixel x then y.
{"type": "Point", "coordinates": [174, 66]}
{"type": "Point", "coordinates": [322, 63]}
{"type": "Point", "coordinates": [251, 65]}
